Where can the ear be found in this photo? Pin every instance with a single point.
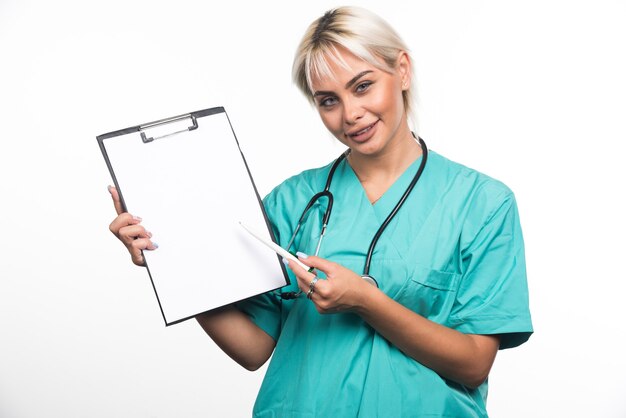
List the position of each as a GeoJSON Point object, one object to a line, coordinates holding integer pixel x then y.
{"type": "Point", "coordinates": [404, 69]}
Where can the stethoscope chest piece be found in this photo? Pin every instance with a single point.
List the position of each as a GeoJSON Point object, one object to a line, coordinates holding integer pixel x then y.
{"type": "Point", "coordinates": [370, 279]}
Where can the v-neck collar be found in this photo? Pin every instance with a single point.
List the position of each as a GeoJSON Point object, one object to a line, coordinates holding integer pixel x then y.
{"type": "Point", "coordinates": [385, 204]}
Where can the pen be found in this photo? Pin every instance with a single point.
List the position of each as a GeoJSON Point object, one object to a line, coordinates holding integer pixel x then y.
{"type": "Point", "coordinates": [278, 249]}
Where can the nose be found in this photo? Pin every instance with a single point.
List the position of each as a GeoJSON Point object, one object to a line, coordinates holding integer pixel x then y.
{"type": "Point", "coordinates": [352, 111]}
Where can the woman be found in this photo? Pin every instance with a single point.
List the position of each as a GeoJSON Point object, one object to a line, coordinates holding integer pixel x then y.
{"type": "Point", "coordinates": [414, 332]}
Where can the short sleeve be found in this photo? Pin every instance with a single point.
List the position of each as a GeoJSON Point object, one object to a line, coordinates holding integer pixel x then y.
{"type": "Point", "coordinates": [493, 293]}
{"type": "Point", "coordinates": [264, 310]}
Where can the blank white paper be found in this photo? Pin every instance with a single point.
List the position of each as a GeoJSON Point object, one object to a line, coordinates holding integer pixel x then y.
{"type": "Point", "coordinates": [191, 190]}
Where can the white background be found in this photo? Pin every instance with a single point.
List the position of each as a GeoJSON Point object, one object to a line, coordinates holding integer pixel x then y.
{"type": "Point", "coordinates": [532, 93]}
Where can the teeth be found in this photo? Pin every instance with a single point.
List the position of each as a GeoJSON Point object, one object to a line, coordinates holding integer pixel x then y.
{"type": "Point", "coordinates": [362, 131]}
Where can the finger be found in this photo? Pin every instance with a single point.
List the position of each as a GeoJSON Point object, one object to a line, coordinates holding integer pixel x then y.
{"type": "Point", "coordinates": [316, 262]}
{"type": "Point", "coordinates": [129, 233]}
{"type": "Point", "coordinates": [143, 244]}
{"type": "Point", "coordinates": [122, 220]}
{"type": "Point", "coordinates": [320, 287]}
{"type": "Point", "coordinates": [116, 200]}
{"type": "Point", "coordinates": [304, 283]}
{"type": "Point", "coordinates": [312, 287]}
{"type": "Point", "coordinates": [137, 257]}
{"type": "Point", "coordinates": [297, 270]}
{"type": "Point", "coordinates": [309, 288]}
{"type": "Point", "coordinates": [137, 248]}
{"type": "Point", "coordinates": [303, 276]}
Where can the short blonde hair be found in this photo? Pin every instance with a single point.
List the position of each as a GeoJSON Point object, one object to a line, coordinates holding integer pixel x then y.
{"type": "Point", "coordinates": [361, 32]}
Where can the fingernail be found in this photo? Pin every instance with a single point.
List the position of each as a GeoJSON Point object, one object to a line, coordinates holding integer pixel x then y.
{"type": "Point", "coordinates": [155, 245]}
{"type": "Point", "coordinates": [137, 218]}
{"type": "Point", "coordinates": [285, 261]}
{"type": "Point", "coordinates": [301, 255]}
{"type": "Point", "coordinates": [149, 234]}
{"type": "Point", "coordinates": [109, 188]}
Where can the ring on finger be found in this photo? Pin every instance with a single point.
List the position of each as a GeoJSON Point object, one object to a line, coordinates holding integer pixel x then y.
{"type": "Point", "coordinates": [312, 287]}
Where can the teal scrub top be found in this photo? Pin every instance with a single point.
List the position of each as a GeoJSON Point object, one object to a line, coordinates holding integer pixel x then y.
{"type": "Point", "coordinates": [454, 254]}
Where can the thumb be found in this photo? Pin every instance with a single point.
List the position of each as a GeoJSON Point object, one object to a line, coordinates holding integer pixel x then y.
{"type": "Point", "coordinates": [119, 208]}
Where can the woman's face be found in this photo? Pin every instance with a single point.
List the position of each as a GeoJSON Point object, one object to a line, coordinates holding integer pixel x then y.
{"type": "Point", "coordinates": [362, 106]}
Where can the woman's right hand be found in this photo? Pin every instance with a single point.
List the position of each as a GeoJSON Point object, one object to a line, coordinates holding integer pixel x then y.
{"type": "Point", "coordinates": [128, 229]}
{"type": "Point", "coordinates": [232, 330]}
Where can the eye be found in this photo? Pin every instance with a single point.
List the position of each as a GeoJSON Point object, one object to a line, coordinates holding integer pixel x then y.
{"type": "Point", "coordinates": [361, 87]}
{"type": "Point", "coordinates": [327, 101]}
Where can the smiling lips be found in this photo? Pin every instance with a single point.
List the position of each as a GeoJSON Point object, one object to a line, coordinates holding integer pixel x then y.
{"type": "Point", "coordinates": [364, 134]}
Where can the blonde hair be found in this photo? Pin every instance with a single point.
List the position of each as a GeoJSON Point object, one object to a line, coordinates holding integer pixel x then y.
{"type": "Point", "coordinates": [361, 32]}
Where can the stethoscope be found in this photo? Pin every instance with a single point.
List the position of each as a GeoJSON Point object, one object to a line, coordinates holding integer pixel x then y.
{"type": "Point", "coordinates": [328, 195]}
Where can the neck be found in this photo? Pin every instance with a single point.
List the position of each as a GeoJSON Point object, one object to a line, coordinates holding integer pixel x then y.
{"type": "Point", "coordinates": [390, 163]}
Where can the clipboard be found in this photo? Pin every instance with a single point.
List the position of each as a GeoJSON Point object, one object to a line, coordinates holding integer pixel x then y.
{"type": "Point", "coordinates": [188, 179]}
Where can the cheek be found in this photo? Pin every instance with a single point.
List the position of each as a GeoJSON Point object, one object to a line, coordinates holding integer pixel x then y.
{"type": "Point", "coordinates": [391, 99]}
{"type": "Point", "coordinates": [381, 102]}
{"type": "Point", "coordinates": [394, 101]}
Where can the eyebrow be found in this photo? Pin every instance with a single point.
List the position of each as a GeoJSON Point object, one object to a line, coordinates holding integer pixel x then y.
{"type": "Point", "coordinates": [348, 84]}
{"type": "Point", "coordinates": [356, 77]}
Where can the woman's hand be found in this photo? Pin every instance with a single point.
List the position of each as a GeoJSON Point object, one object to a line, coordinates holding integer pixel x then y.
{"type": "Point", "coordinates": [341, 291]}
{"type": "Point", "coordinates": [128, 229]}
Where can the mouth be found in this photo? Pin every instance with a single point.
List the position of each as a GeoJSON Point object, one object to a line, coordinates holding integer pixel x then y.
{"type": "Point", "coordinates": [362, 134]}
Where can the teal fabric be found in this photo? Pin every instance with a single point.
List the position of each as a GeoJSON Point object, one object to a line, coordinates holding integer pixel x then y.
{"type": "Point", "coordinates": [454, 253]}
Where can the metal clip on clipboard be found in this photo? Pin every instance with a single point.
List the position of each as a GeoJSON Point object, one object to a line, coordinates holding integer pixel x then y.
{"type": "Point", "coordinates": [167, 121]}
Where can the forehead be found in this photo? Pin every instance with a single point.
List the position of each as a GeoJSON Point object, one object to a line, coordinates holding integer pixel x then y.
{"type": "Point", "coordinates": [336, 67]}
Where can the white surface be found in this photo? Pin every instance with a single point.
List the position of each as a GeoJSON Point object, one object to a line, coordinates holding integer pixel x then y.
{"type": "Point", "coordinates": [194, 188]}
{"type": "Point", "coordinates": [273, 246]}
{"type": "Point", "coordinates": [531, 93]}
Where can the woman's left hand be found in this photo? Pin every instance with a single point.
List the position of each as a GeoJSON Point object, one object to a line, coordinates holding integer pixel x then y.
{"type": "Point", "coordinates": [342, 290]}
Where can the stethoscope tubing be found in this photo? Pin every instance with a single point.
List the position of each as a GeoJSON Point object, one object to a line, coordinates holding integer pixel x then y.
{"type": "Point", "coordinates": [405, 195]}
{"type": "Point", "coordinates": [328, 194]}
